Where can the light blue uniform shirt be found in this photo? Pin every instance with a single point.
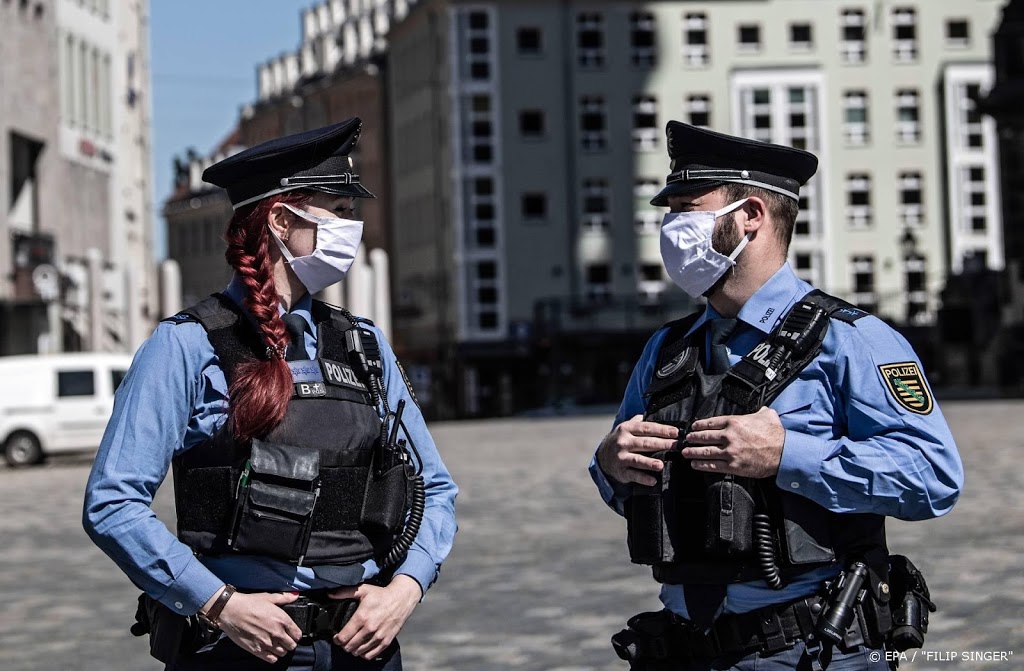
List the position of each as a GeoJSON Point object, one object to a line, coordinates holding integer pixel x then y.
{"type": "Point", "coordinates": [850, 446]}
{"type": "Point", "coordinates": [174, 398]}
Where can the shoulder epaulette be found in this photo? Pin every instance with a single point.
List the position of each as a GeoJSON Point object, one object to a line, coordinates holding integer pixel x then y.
{"type": "Point", "coordinates": [837, 308]}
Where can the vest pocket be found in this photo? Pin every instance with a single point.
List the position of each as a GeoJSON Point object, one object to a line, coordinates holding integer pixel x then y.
{"type": "Point", "coordinates": [730, 520]}
{"type": "Point", "coordinates": [277, 493]}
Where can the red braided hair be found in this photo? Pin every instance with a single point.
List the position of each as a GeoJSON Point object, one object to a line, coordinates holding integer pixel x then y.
{"type": "Point", "coordinates": [261, 389]}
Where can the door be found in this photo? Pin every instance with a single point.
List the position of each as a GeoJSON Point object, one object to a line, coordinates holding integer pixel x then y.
{"type": "Point", "coordinates": [82, 412]}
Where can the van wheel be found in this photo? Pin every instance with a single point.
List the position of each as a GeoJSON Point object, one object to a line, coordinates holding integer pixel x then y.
{"type": "Point", "coordinates": [22, 449]}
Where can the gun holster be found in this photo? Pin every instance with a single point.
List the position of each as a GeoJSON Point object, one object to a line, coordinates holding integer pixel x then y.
{"type": "Point", "coordinates": [169, 633]}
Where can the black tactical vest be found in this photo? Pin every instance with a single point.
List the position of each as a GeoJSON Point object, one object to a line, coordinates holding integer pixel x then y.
{"type": "Point", "coordinates": [297, 493]}
{"type": "Point", "coordinates": [705, 528]}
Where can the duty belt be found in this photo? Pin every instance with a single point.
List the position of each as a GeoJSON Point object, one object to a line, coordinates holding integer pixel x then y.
{"type": "Point", "coordinates": [664, 635]}
{"type": "Point", "coordinates": [319, 617]}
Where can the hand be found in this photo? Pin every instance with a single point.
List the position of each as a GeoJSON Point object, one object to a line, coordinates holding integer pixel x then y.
{"type": "Point", "coordinates": [745, 445]}
{"type": "Point", "coordinates": [618, 455]}
{"type": "Point", "coordinates": [257, 625]}
{"type": "Point", "coordinates": [381, 613]}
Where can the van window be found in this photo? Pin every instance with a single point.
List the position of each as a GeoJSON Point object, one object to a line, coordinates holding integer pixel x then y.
{"type": "Point", "coordinates": [116, 376]}
{"type": "Point", "coordinates": [76, 383]}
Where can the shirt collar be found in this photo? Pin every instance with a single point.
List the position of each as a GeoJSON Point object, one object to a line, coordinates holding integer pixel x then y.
{"type": "Point", "coordinates": [768, 304]}
{"type": "Point", "coordinates": [302, 307]}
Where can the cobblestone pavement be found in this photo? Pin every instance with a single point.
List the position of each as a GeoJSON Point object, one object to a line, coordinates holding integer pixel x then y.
{"type": "Point", "coordinates": [539, 577]}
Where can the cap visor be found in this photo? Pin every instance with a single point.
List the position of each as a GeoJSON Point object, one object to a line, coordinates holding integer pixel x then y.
{"type": "Point", "coordinates": [353, 190]}
{"type": "Point", "coordinates": [681, 188]}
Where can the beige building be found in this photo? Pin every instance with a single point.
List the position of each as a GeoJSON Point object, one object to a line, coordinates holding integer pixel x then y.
{"type": "Point", "coordinates": [528, 138]}
{"type": "Point", "coordinates": [76, 269]}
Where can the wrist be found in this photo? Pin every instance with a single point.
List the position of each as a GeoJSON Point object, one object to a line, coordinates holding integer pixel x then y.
{"type": "Point", "coordinates": [212, 609]}
{"type": "Point", "coordinates": [407, 586]}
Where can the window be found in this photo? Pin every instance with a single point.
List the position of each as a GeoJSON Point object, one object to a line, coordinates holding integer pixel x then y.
{"type": "Point", "coordinates": [476, 45]}
{"type": "Point", "coordinates": [598, 281]}
{"type": "Point", "coordinates": [958, 33]}
{"type": "Point", "coordinates": [478, 131]}
{"type": "Point", "coordinates": [799, 110]}
{"type": "Point", "coordinates": [911, 199]}
{"type": "Point", "coordinates": [535, 206]}
{"type": "Point", "coordinates": [645, 189]}
{"type": "Point", "coordinates": [76, 383]}
{"type": "Point", "coordinates": [528, 41]}
{"type": "Point", "coordinates": [908, 117]}
{"type": "Point", "coordinates": [904, 34]}
{"type": "Point", "coordinates": [695, 40]}
{"type": "Point", "coordinates": [973, 206]}
{"type": "Point", "coordinates": [855, 118]}
{"type": "Point", "coordinates": [757, 106]}
{"type": "Point", "coordinates": [803, 265]}
{"type": "Point", "coordinates": [645, 123]}
{"type": "Point", "coordinates": [801, 37]}
{"type": "Point", "coordinates": [484, 295]}
{"type": "Point", "coordinates": [863, 270]}
{"type": "Point", "coordinates": [858, 200]}
{"type": "Point", "coordinates": [596, 213]}
{"type": "Point", "coordinates": [698, 110]}
{"type": "Point", "coordinates": [593, 126]}
{"type": "Point", "coordinates": [116, 378]}
{"type": "Point", "coordinates": [642, 46]}
{"type": "Point", "coordinates": [749, 37]}
{"type": "Point", "coordinates": [531, 123]}
{"type": "Point", "coordinates": [853, 36]}
{"type": "Point", "coordinates": [651, 283]}
{"type": "Point", "coordinates": [647, 220]}
{"type": "Point", "coordinates": [481, 209]}
{"type": "Point", "coordinates": [970, 128]}
{"type": "Point", "coordinates": [916, 288]}
{"type": "Point", "coordinates": [590, 40]}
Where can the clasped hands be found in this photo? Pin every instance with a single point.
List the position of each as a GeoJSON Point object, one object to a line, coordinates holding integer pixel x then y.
{"type": "Point", "coordinates": [744, 445]}
{"type": "Point", "coordinates": [256, 623]}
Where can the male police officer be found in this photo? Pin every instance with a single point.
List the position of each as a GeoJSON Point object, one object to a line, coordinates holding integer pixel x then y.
{"type": "Point", "coordinates": [761, 443]}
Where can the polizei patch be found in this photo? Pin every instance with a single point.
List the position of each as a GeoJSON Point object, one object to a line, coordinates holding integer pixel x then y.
{"type": "Point", "coordinates": [907, 385]}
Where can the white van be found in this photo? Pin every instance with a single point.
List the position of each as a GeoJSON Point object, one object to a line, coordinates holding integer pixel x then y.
{"type": "Point", "coordinates": [56, 403]}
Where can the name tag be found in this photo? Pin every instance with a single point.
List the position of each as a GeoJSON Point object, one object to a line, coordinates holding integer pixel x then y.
{"type": "Point", "coordinates": [341, 374]}
{"type": "Point", "coordinates": [310, 389]}
{"type": "Point", "coordinates": [305, 371]}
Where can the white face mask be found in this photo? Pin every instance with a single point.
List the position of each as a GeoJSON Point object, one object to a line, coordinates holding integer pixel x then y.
{"type": "Point", "coordinates": [337, 241]}
{"type": "Point", "coordinates": [686, 249]}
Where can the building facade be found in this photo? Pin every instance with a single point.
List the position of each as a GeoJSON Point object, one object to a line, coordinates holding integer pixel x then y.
{"type": "Point", "coordinates": [76, 268]}
{"type": "Point", "coordinates": [333, 75]}
{"type": "Point", "coordinates": [528, 138]}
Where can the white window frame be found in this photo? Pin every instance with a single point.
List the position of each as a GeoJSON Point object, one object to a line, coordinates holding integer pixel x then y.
{"type": "Point", "coordinates": [957, 42]}
{"type": "Point", "coordinates": [645, 138]}
{"type": "Point", "coordinates": [647, 221]}
{"type": "Point", "coordinates": [595, 222]}
{"type": "Point", "coordinates": [598, 292]}
{"type": "Point", "coordinates": [749, 47]}
{"type": "Point", "coordinates": [591, 140]}
{"type": "Point", "coordinates": [856, 133]}
{"type": "Point", "coordinates": [698, 103]}
{"type": "Point", "coordinates": [696, 54]}
{"type": "Point", "coordinates": [590, 57]}
{"type": "Point", "coordinates": [853, 51]}
{"type": "Point", "coordinates": [799, 47]}
{"type": "Point", "coordinates": [861, 264]}
{"type": "Point", "coordinates": [904, 50]}
{"type": "Point", "coordinates": [908, 131]}
{"type": "Point", "coordinates": [468, 34]}
{"type": "Point", "coordinates": [858, 217]}
{"type": "Point", "coordinates": [911, 215]}
{"type": "Point", "coordinates": [643, 57]}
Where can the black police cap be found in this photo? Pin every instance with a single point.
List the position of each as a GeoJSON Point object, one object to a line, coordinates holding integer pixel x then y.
{"type": "Point", "coordinates": [315, 159]}
{"type": "Point", "coordinates": [703, 159]}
